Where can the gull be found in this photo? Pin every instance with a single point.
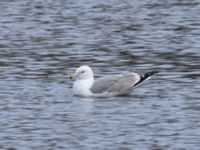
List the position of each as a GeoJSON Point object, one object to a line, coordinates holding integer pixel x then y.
{"type": "Point", "coordinates": [111, 85]}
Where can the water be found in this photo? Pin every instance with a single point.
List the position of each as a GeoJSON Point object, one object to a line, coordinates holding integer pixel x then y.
{"type": "Point", "coordinates": [42, 42]}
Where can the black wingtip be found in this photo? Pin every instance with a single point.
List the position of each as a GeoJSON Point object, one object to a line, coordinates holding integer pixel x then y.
{"type": "Point", "coordinates": [153, 72]}
{"type": "Point", "coordinates": [147, 75]}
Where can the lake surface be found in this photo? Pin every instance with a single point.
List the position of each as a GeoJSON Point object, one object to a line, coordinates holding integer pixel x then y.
{"type": "Point", "coordinates": [42, 42]}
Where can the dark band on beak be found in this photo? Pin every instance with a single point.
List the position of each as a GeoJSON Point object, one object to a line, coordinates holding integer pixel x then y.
{"type": "Point", "coordinates": [73, 76]}
{"type": "Point", "coordinates": [70, 77]}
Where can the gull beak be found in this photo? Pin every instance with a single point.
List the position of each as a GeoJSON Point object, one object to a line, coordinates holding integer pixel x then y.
{"type": "Point", "coordinates": [73, 76]}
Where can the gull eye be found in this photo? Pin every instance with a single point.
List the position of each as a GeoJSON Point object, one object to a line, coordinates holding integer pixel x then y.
{"type": "Point", "coordinates": [82, 71]}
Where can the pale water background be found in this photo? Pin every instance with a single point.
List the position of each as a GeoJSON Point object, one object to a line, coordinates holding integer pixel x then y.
{"type": "Point", "coordinates": [42, 42]}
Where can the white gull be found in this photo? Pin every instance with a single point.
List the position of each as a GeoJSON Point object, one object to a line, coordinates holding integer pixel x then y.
{"type": "Point", "coordinates": [110, 85]}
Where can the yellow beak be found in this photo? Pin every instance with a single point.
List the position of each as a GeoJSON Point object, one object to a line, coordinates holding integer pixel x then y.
{"type": "Point", "coordinates": [73, 76]}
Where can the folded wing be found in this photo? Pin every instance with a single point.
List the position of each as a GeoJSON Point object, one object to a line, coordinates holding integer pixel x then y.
{"type": "Point", "coordinates": [119, 84]}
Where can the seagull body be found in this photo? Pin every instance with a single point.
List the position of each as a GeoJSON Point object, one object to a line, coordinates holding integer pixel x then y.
{"type": "Point", "coordinates": [110, 85]}
{"type": "Point", "coordinates": [82, 87]}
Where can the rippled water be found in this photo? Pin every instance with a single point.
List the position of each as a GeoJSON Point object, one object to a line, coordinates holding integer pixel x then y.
{"type": "Point", "coordinates": [42, 42]}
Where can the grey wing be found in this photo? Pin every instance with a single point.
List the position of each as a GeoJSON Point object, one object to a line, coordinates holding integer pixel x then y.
{"type": "Point", "coordinates": [120, 84]}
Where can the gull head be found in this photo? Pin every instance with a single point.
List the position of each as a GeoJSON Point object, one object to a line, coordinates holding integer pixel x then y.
{"type": "Point", "coordinates": [83, 72]}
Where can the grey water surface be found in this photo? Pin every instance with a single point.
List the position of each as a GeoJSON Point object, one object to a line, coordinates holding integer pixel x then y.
{"type": "Point", "coordinates": [43, 41]}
